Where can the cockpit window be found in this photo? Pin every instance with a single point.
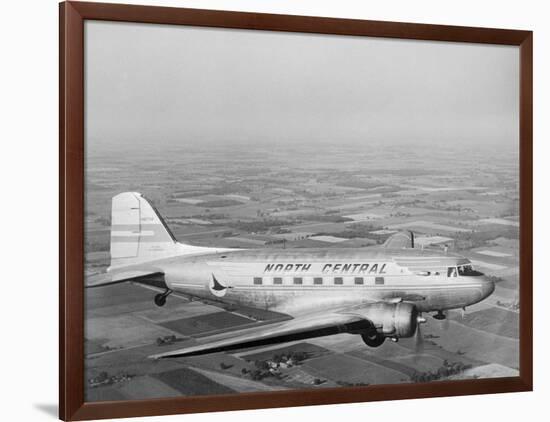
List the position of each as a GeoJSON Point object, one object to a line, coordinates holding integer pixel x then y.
{"type": "Point", "coordinates": [467, 270]}
{"type": "Point", "coordinates": [462, 270]}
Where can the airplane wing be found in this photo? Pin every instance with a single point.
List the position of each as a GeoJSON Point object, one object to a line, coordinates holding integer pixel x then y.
{"type": "Point", "coordinates": [292, 330]}
{"type": "Point", "coordinates": [121, 276]}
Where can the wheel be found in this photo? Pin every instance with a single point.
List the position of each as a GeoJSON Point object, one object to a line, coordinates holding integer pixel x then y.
{"type": "Point", "coordinates": [373, 339]}
{"type": "Point", "coordinates": [160, 299]}
{"type": "Point", "coordinates": [440, 316]}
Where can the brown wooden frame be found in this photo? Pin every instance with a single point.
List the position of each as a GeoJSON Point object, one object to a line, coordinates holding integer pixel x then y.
{"type": "Point", "coordinates": [71, 209]}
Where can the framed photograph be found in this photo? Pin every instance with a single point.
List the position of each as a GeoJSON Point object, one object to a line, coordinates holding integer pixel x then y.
{"type": "Point", "coordinates": [269, 210]}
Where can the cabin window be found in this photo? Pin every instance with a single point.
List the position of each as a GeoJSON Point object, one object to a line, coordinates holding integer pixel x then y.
{"type": "Point", "coordinates": [451, 272]}
{"type": "Point", "coordinates": [358, 280]}
{"type": "Point", "coordinates": [338, 280]}
{"type": "Point", "coordinates": [298, 280]}
{"type": "Point", "coordinates": [277, 280]}
{"type": "Point", "coordinates": [257, 280]}
{"type": "Point", "coordinates": [318, 280]}
{"type": "Point", "coordinates": [379, 280]}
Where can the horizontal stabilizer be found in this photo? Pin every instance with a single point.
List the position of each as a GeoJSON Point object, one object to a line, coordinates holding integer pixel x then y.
{"type": "Point", "coordinates": [115, 277]}
{"type": "Point", "coordinates": [295, 329]}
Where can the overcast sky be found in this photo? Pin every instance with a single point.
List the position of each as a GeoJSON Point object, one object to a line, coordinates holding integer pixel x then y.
{"type": "Point", "coordinates": [173, 84]}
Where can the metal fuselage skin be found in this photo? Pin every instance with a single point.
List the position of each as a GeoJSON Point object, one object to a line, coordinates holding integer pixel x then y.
{"type": "Point", "coordinates": [302, 281]}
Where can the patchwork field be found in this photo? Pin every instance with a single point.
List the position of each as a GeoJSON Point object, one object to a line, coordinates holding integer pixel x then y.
{"type": "Point", "coordinates": [487, 335]}
{"type": "Point", "coordinates": [337, 196]}
{"type": "Point", "coordinates": [206, 323]}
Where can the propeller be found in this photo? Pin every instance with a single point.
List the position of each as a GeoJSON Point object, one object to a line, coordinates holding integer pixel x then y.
{"type": "Point", "coordinates": [419, 338]}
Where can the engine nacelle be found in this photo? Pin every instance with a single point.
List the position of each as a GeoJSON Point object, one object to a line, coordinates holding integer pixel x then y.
{"type": "Point", "coordinates": [392, 319]}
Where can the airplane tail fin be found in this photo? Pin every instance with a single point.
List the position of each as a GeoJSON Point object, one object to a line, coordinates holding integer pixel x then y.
{"type": "Point", "coordinates": [138, 232]}
{"type": "Point", "coordinates": [400, 240]}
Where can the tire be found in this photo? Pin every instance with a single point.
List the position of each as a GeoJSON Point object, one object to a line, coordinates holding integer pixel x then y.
{"type": "Point", "coordinates": [373, 340]}
{"type": "Point", "coordinates": [160, 299]}
{"type": "Point", "coordinates": [440, 316]}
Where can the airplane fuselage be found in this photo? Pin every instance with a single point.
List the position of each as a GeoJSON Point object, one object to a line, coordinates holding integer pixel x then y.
{"type": "Point", "coordinates": [301, 281]}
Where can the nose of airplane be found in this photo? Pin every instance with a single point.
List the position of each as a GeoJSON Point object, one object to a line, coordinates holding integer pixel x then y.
{"type": "Point", "coordinates": [487, 288]}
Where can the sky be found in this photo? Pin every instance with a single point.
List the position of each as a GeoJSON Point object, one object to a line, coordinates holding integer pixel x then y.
{"type": "Point", "coordinates": [166, 84]}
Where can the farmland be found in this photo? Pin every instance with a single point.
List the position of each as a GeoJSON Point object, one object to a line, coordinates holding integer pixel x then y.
{"type": "Point", "coordinates": [262, 196]}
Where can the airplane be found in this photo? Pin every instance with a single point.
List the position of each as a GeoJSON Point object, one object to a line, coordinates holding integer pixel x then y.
{"type": "Point", "coordinates": [377, 292]}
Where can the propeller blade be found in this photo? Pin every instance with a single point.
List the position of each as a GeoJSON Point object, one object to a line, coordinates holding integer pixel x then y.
{"type": "Point", "coordinates": [419, 338]}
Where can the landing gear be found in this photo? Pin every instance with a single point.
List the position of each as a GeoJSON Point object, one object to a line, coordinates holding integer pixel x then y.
{"type": "Point", "coordinates": [373, 339]}
{"type": "Point", "coordinates": [440, 315]}
{"type": "Point", "coordinates": [160, 299]}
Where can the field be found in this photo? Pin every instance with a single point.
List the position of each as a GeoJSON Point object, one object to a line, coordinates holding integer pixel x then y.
{"type": "Point", "coordinates": [297, 197]}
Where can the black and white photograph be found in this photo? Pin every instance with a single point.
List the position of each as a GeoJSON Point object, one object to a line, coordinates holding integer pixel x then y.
{"type": "Point", "coordinates": [270, 211]}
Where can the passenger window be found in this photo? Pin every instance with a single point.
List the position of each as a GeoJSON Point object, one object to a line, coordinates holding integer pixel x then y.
{"type": "Point", "coordinates": [257, 280]}
{"type": "Point", "coordinates": [358, 280]}
{"type": "Point", "coordinates": [277, 280]}
{"type": "Point", "coordinates": [298, 280]}
{"type": "Point", "coordinates": [451, 272]}
{"type": "Point", "coordinates": [318, 280]}
{"type": "Point", "coordinates": [338, 280]}
{"type": "Point", "coordinates": [379, 280]}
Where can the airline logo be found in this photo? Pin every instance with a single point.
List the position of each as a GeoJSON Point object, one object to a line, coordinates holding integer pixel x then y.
{"type": "Point", "coordinates": [216, 288]}
{"type": "Point", "coordinates": [329, 268]}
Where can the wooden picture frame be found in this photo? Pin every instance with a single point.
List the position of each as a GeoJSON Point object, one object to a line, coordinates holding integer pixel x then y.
{"type": "Point", "coordinates": [71, 205]}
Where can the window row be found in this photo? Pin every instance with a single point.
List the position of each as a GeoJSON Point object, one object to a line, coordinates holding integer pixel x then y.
{"type": "Point", "coordinates": [319, 280]}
